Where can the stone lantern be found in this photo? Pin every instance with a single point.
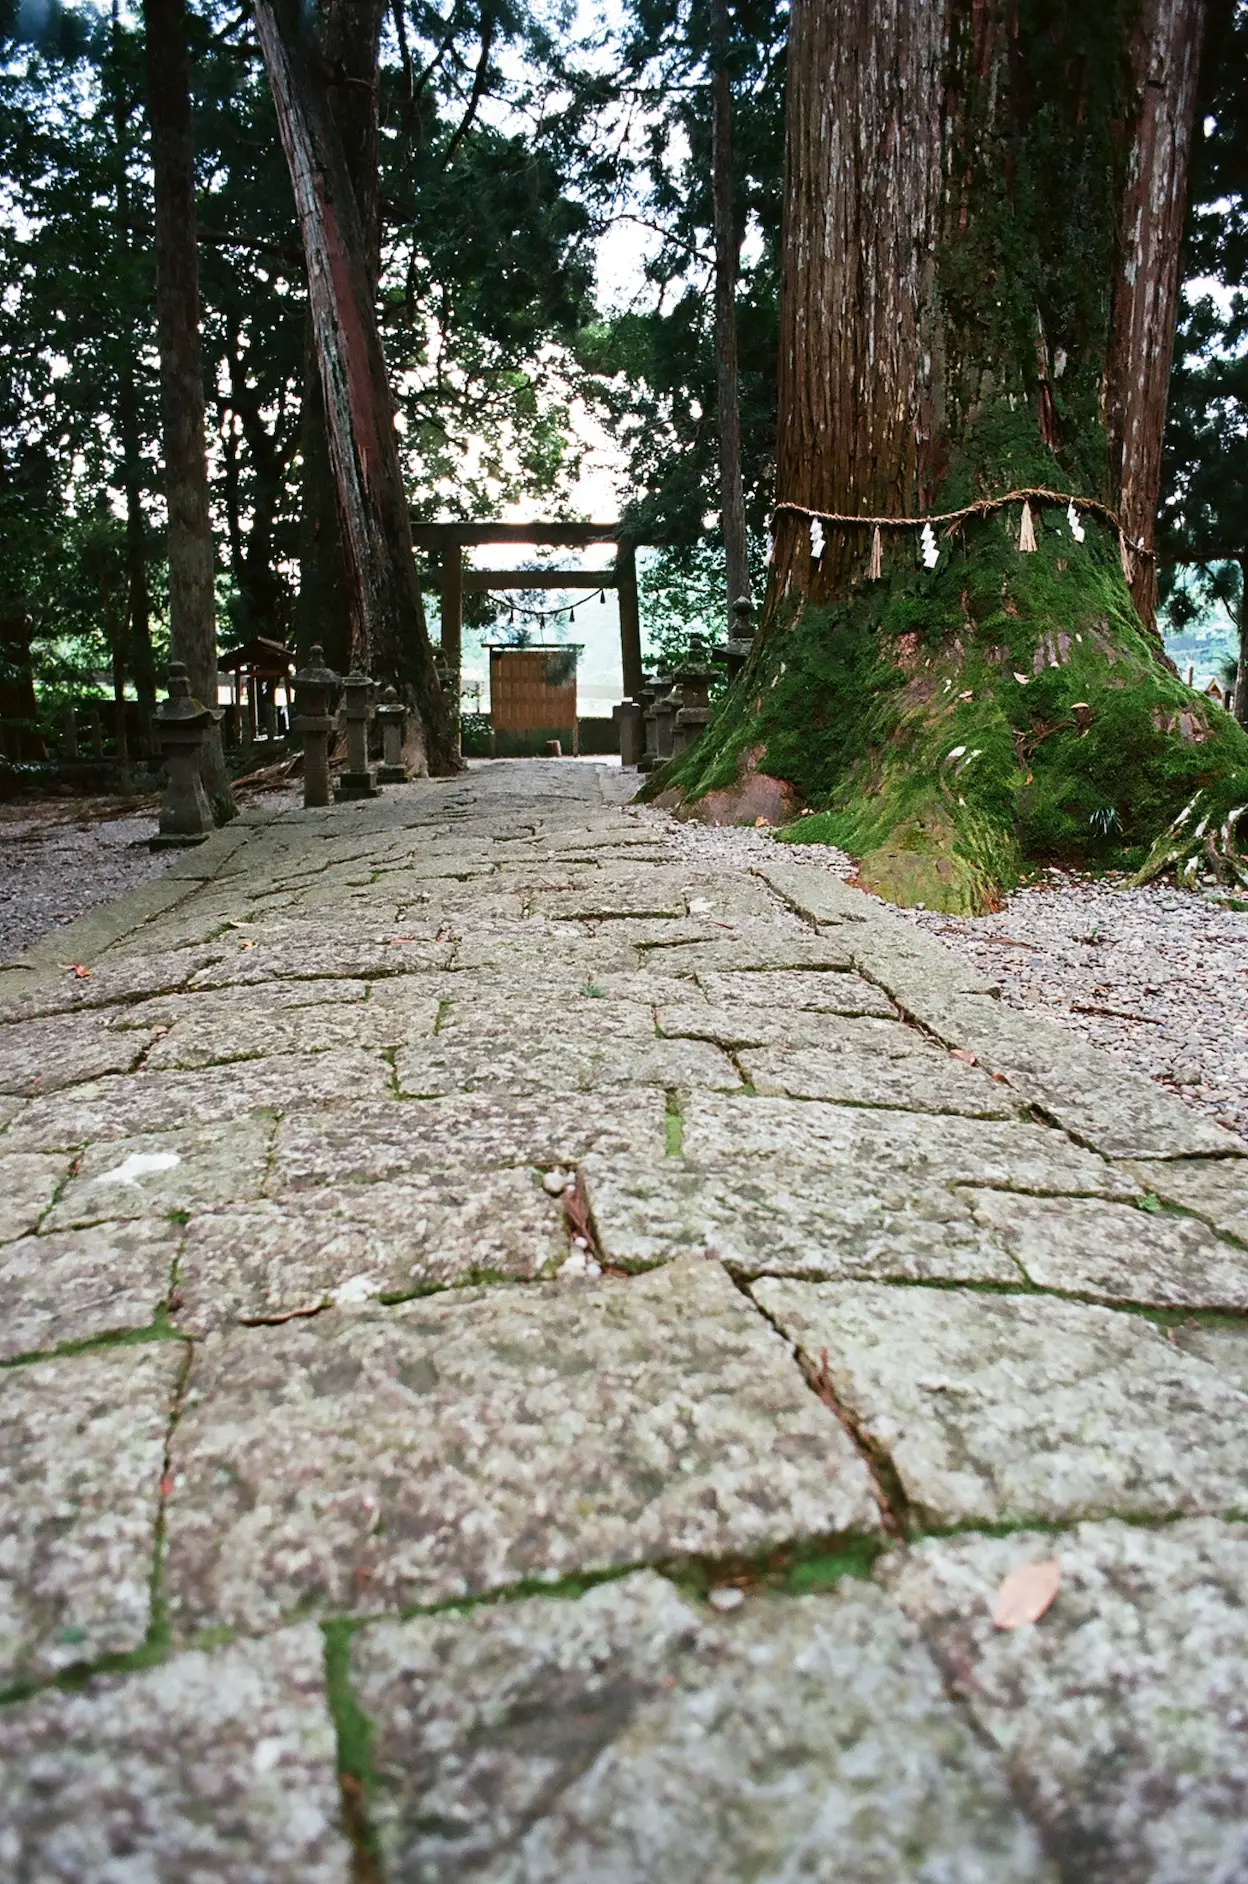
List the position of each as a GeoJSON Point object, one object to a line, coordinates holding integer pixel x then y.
{"type": "Point", "coordinates": [393, 716]}
{"type": "Point", "coordinates": [736, 650]}
{"type": "Point", "coordinates": [182, 724]}
{"type": "Point", "coordinates": [695, 697]}
{"type": "Point", "coordinates": [314, 687]}
{"type": "Point", "coordinates": [359, 780]}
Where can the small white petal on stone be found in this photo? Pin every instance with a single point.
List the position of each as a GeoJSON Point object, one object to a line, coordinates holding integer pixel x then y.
{"type": "Point", "coordinates": [955, 752]}
{"type": "Point", "coordinates": [700, 907]}
{"type": "Point", "coordinates": [140, 1164]}
{"type": "Point", "coordinates": [555, 1182]}
{"type": "Point", "coordinates": [355, 1289]}
{"type": "Point", "coordinates": [267, 1754]}
{"type": "Point", "coordinates": [727, 1598]}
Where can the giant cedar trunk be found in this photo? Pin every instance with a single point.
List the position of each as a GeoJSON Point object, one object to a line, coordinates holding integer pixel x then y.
{"type": "Point", "coordinates": [192, 608]}
{"type": "Point", "coordinates": [388, 620]}
{"type": "Point", "coordinates": [980, 269]}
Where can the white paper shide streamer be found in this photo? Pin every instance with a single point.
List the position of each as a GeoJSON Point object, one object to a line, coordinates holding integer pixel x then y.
{"type": "Point", "coordinates": [816, 539]}
{"type": "Point", "coordinates": [927, 541]}
{"type": "Point", "coordinates": [1076, 528]}
{"type": "Point", "coordinates": [1026, 530]}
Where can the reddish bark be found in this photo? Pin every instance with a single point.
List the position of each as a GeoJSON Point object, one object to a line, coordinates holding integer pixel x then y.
{"type": "Point", "coordinates": [192, 609]}
{"type": "Point", "coordinates": [1165, 66]}
{"type": "Point", "coordinates": [727, 262]}
{"type": "Point", "coordinates": [903, 120]}
{"type": "Point", "coordinates": [387, 615]}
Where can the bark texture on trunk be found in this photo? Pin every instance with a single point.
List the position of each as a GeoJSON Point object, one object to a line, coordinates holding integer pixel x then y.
{"type": "Point", "coordinates": [388, 623]}
{"type": "Point", "coordinates": [1165, 67]}
{"type": "Point", "coordinates": [727, 263]}
{"type": "Point", "coordinates": [348, 39]}
{"type": "Point", "coordinates": [192, 608]}
{"type": "Point", "coordinates": [980, 253]}
{"type": "Point", "coordinates": [1241, 671]}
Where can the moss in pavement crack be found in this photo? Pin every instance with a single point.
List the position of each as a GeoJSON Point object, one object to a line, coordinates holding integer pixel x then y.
{"type": "Point", "coordinates": [356, 1771]}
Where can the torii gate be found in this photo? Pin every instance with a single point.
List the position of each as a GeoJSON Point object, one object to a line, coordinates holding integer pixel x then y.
{"type": "Point", "coordinates": [449, 541]}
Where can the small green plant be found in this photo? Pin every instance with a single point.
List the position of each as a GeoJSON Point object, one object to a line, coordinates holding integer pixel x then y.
{"type": "Point", "coordinates": [1105, 820]}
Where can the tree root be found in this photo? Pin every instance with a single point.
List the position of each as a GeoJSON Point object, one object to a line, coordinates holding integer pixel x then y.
{"type": "Point", "coordinates": [1202, 839]}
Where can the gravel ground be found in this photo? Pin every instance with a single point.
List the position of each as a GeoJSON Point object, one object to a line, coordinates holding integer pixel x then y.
{"type": "Point", "coordinates": [1158, 976]}
{"type": "Point", "coordinates": [61, 857]}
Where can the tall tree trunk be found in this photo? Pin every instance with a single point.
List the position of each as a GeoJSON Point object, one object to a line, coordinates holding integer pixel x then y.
{"type": "Point", "coordinates": [387, 612]}
{"type": "Point", "coordinates": [727, 262]}
{"type": "Point", "coordinates": [139, 657]}
{"type": "Point", "coordinates": [1165, 67]}
{"type": "Point", "coordinates": [348, 39]}
{"type": "Point", "coordinates": [982, 216]}
{"type": "Point", "coordinates": [1241, 670]}
{"type": "Point", "coordinates": [192, 609]}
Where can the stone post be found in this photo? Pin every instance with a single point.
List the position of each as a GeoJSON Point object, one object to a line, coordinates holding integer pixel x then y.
{"type": "Point", "coordinates": [695, 693]}
{"type": "Point", "coordinates": [632, 732]}
{"type": "Point", "coordinates": [71, 733]}
{"type": "Point", "coordinates": [393, 716]}
{"type": "Point", "coordinates": [182, 723]}
{"type": "Point", "coordinates": [314, 686]}
{"type": "Point", "coordinates": [359, 780]}
{"type": "Point", "coordinates": [649, 727]}
{"type": "Point", "coordinates": [664, 714]}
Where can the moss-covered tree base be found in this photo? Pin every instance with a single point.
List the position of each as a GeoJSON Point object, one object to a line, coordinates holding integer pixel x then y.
{"type": "Point", "coordinates": [952, 729]}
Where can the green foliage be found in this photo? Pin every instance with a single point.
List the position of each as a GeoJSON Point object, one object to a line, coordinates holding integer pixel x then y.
{"type": "Point", "coordinates": [937, 724]}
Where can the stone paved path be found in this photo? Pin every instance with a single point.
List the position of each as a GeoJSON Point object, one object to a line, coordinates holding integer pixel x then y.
{"type": "Point", "coordinates": [375, 1507]}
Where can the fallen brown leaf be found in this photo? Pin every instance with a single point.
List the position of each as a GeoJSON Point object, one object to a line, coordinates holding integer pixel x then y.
{"type": "Point", "coordinates": [1026, 1593]}
{"type": "Point", "coordinates": [962, 1053]}
{"type": "Point", "coordinates": [80, 971]}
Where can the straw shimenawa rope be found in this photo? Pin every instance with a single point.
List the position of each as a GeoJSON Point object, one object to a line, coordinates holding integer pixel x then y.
{"type": "Point", "coordinates": [982, 507]}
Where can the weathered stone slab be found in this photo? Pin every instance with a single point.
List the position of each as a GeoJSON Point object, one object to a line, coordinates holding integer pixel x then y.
{"type": "Point", "coordinates": [535, 946]}
{"type": "Point", "coordinates": [162, 1175]}
{"type": "Point", "coordinates": [1010, 1408]}
{"type": "Point", "coordinates": [627, 1735]}
{"type": "Point", "coordinates": [789, 991]}
{"type": "Point", "coordinates": [1121, 1713]}
{"type": "Point", "coordinates": [28, 1183]}
{"type": "Point", "coordinates": [1224, 1345]}
{"type": "Point", "coordinates": [371, 1460]}
{"type": "Point", "coordinates": [82, 1441]}
{"type": "Point", "coordinates": [40, 1056]}
{"type": "Point", "coordinates": [367, 946]}
{"type": "Point", "coordinates": [913, 1148]}
{"type": "Point", "coordinates": [890, 1066]}
{"type": "Point", "coordinates": [134, 1103]}
{"type": "Point", "coordinates": [477, 1132]}
{"type": "Point", "coordinates": [361, 1241]}
{"type": "Point", "coordinates": [77, 1284]}
{"type": "Point", "coordinates": [534, 1011]}
{"type": "Point", "coordinates": [755, 1026]}
{"type": "Point", "coordinates": [1117, 1252]}
{"type": "Point", "coordinates": [211, 1766]}
{"type": "Point", "coordinates": [212, 1010]}
{"type": "Point", "coordinates": [1087, 1092]}
{"type": "Point", "coordinates": [760, 947]}
{"type": "Point", "coordinates": [783, 1220]}
{"type": "Point", "coordinates": [574, 1061]}
{"type": "Point", "coordinates": [1213, 1188]}
{"type": "Point", "coordinates": [248, 1034]}
{"type": "Point", "coordinates": [117, 977]}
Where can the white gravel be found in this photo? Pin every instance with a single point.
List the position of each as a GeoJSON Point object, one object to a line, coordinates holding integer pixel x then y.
{"type": "Point", "coordinates": [1158, 976]}
{"type": "Point", "coordinates": [61, 858]}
